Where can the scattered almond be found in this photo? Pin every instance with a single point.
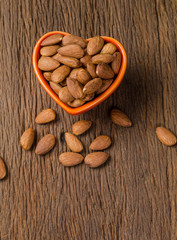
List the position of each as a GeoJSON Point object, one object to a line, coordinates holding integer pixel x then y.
{"type": "Point", "coordinates": [65, 96]}
{"type": "Point", "coordinates": [60, 74]}
{"type": "Point", "coordinates": [109, 48]}
{"type": "Point", "coordinates": [49, 50]}
{"type": "Point", "coordinates": [74, 73]}
{"type": "Point", "coordinates": [55, 87]}
{"type": "Point", "coordinates": [46, 116]}
{"type": "Point", "coordinates": [53, 39]}
{"type": "Point", "coordinates": [91, 68]}
{"type": "Point", "coordinates": [47, 75]}
{"type": "Point", "coordinates": [166, 136]}
{"type": "Point", "coordinates": [105, 84]}
{"type": "Point", "coordinates": [68, 61]}
{"type": "Point", "coordinates": [81, 127]}
{"type": "Point", "coordinates": [95, 45]}
{"type": "Point", "coordinates": [116, 63]}
{"type": "Point", "coordinates": [70, 39]}
{"type": "Point", "coordinates": [74, 87]}
{"type": "Point", "coordinates": [120, 118]}
{"type": "Point", "coordinates": [72, 50]}
{"type": "Point", "coordinates": [27, 138]}
{"type": "Point", "coordinates": [45, 144]}
{"type": "Point", "coordinates": [100, 143]}
{"type": "Point", "coordinates": [73, 142]}
{"type": "Point", "coordinates": [102, 58]}
{"type": "Point", "coordinates": [96, 159]}
{"type": "Point", "coordinates": [92, 86]}
{"type": "Point", "coordinates": [47, 63]}
{"type": "Point", "coordinates": [104, 71]}
{"type": "Point", "coordinates": [70, 159]}
{"type": "Point", "coordinates": [83, 76]}
{"type": "Point", "coordinates": [2, 169]}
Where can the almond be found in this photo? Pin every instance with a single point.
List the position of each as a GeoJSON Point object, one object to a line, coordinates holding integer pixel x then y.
{"type": "Point", "coordinates": [166, 136]}
{"type": "Point", "coordinates": [47, 75]}
{"type": "Point", "coordinates": [49, 50]}
{"type": "Point", "coordinates": [72, 50]}
{"type": "Point", "coordinates": [102, 58]}
{"type": "Point", "coordinates": [76, 103]}
{"type": "Point", "coordinates": [27, 139]}
{"type": "Point", "coordinates": [109, 48]}
{"type": "Point", "coordinates": [105, 84]}
{"type": "Point", "coordinates": [83, 76]}
{"type": "Point", "coordinates": [65, 96]}
{"type": "Point", "coordinates": [120, 118]}
{"type": "Point", "coordinates": [70, 39]}
{"type": "Point", "coordinates": [86, 59]}
{"type": "Point", "coordinates": [74, 73]}
{"type": "Point", "coordinates": [47, 63]}
{"type": "Point", "coordinates": [95, 45]}
{"type": "Point", "coordinates": [81, 127]}
{"type": "Point", "coordinates": [116, 63]}
{"type": "Point", "coordinates": [63, 83]}
{"type": "Point", "coordinates": [73, 142]}
{"type": "Point", "coordinates": [74, 87]}
{"type": "Point", "coordinates": [92, 86]}
{"type": "Point", "coordinates": [2, 169]}
{"type": "Point", "coordinates": [69, 159]}
{"type": "Point", "coordinates": [104, 71]}
{"type": "Point", "coordinates": [53, 39]}
{"type": "Point", "coordinates": [46, 116]}
{"type": "Point", "coordinates": [55, 87]}
{"type": "Point", "coordinates": [91, 68]}
{"type": "Point", "coordinates": [69, 61]}
{"type": "Point", "coordinates": [96, 159]}
{"type": "Point", "coordinates": [45, 144]}
{"type": "Point", "coordinates": [100, 143]}
{"type": "Point", "coordinates": [89, 97]}
{"type": "Point", "coordinates": [60, 74]}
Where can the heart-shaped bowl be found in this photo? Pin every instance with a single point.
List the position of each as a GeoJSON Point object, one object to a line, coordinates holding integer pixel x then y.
{"type": "Point", "coordinates": [93, 103]}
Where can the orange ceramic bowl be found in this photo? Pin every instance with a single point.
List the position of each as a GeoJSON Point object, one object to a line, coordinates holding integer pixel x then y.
{"type": "Point", "coordinates": [89, 105]}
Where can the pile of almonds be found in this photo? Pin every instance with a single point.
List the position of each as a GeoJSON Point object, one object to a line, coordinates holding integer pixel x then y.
{"type": "Point", "coordinates": [78, 70]}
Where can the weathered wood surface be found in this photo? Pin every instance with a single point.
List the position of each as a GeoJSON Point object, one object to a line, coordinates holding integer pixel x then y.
{"type": "Point", "coordinates": [134, 196]}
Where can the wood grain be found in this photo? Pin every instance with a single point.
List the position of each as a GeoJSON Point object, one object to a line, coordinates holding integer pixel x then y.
{"type": "Point", "coordinates": [132, 197]}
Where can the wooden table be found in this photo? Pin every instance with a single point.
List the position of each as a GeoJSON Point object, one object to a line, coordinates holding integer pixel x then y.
{"type": "Point", "coordinates": [132, 197]}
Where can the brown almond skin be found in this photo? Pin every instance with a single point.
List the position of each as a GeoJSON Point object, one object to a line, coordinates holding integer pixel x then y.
{"type": "Point", "coordinates": [96, 159]}
{"type": "Point", "coordinates": [2, 169]}
{"type": "Point", "coordinates": [76, 103]}
{"type": "Point", "coordinates": [47, 64]}
{"type": "Point", "coordinates": [165, 136]}
{"type": "Point", "coordinates": [47, 75]}
{"type": "Point", "coordinates": [105, 84]}
{"type": "Point", "coordinates": [70, 39]}
{"type": "Point", "coordinates": [27, 138]}
{"type": "Point", "coordinates": [55, 87]}
{"type": "Point", "coordinates": [68, 61]}
{"type": "Point", "coordinates": [81, 127]}
{"type": "Point", "coordinates": [95, 45]}
{"type": "Point", "coordinates": [69, 159]}
{"type": "Point", "coordinates": [102, 58]}
{"type": "Point", "coordinates": [72, 50]}
{"type": "Point", "coordinates": [65, 96]}
{"type": "Point", "coordinates": [104, 71]}
{"type": "Point", "coordinates": [46, 116]}
{"type": "Point", "coordinates": [83, 76]}
{"type": "Point", "coordinates": [100, 143]}
{"type": "Point", "coordinates": [86, 59]}
{"type": "Point", "coordinates": [92, 86]}
{"type": "Point", "coordinates": [91, 68]}
{"type": "Point", "coordinates": [73, 142]}
{"type": "Point", "coordinates": [49, 50]}
{"type": "Point", "coordinates": [120, 118]}
{"type": "Point", "coordinates": [60, 74]}
{"type": "Point", "coordinates": [74, 73]}
{"type": "Point", "coordinates": [51, 40]}
{"type": "Point", "coordinates": [109, 48]}
{"type": "Point", "coordinates": [75, 88]}
{"type": "Point", "coordinates": [89, 97]}
{"type": "Point", "coordinates": [116, 63]}
{"type": "Point", "coordinates": [45, 144]}
{"type": "Point", "coordinates": [63, 83]}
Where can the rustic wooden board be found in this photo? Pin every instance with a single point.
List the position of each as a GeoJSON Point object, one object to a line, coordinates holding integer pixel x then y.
{"type": "Point", "coordinates": [132, 197]}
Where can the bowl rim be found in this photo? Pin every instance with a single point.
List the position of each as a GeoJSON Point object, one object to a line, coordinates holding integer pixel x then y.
{"type": "Point", "coordinates": [93, 103]}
